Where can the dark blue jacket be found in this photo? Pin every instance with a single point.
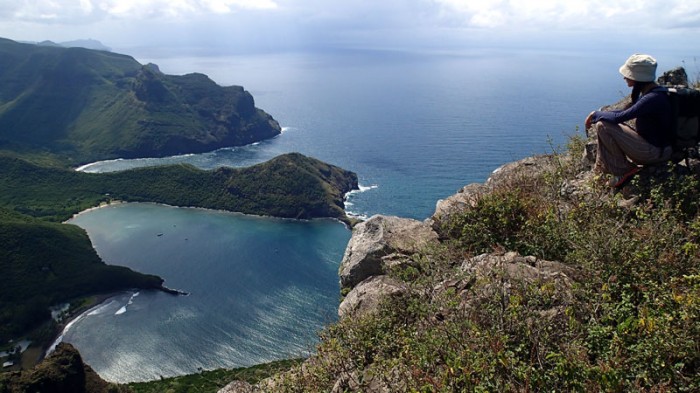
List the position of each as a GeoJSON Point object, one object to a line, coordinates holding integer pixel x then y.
{"type": "Point", "coordinates": [653, 113]}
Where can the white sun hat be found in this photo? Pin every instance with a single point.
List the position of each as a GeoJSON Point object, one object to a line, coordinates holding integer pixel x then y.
{"type": "Point", "coordinates": [640, 68]}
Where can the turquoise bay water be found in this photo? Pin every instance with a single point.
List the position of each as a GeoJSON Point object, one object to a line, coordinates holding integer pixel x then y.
{"type": "Point", "coordinates": [415, 128]}
{"type": "Point", "coordinates": [259, 289]}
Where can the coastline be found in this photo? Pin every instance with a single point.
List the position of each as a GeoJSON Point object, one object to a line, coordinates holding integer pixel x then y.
{"type": "Point", "coordinates": [349, 221]}
{"type": "Point", "coordinates": [100, 206]}
{"type": "Point", "coordinates": [38, 350]}
{"type": "Point", "coordinates": [53, 331]}
{"type": "Point", "coordinates": [88, 304]}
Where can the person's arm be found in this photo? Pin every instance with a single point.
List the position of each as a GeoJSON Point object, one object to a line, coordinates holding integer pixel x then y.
{"type": "Point", "coordinates": [643, 106]}
{"type": "Point", "coordinates": [592, 118]}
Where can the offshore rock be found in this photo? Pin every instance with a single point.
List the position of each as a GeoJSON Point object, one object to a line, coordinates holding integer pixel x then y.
{"type": "Point", "coordinates": [380, 242]}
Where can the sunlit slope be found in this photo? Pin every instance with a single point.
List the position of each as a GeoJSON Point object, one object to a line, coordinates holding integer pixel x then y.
{"type": "Point", "coordinates": [92, 105]}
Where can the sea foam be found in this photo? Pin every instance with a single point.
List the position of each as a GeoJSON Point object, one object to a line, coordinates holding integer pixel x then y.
{"type": "Point", "coordinates": [122, 310]}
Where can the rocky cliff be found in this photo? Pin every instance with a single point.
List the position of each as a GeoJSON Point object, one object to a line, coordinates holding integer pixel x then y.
{"type": "Point", "coordinates": [542, 278]}
{"type": "Point", "coordinates": [82, 105]}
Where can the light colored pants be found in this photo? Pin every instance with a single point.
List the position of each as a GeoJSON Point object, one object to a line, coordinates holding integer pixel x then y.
{"type": "Point", "coordinates": [620, 149]}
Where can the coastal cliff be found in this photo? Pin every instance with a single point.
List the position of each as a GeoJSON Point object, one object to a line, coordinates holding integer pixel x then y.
{"type": "Point", "coordinates": [541, 278]}
{"type": "Point", "coordinates": [71, 106]}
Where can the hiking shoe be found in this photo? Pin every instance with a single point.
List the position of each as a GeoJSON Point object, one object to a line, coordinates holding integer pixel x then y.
{"type": "Point", "coordinates": [619, 181]}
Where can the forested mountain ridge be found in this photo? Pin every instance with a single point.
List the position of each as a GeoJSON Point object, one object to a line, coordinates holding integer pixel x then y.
{"type": "Point", "coordinates": [91, 105]}
{"type": "Point", "coordinates": [289, 186]}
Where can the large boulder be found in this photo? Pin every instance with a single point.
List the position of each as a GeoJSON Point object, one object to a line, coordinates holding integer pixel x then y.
{"type": "Point", "coordinates": [239, 387]}
{"type": "Point", "coordinates": [463, 200]}
{"type": "Point", "coordinates": [380, 242]}
{"type": "Point", "coordinates": [366, 296]}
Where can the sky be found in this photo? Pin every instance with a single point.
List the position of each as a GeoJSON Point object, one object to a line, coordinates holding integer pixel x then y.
{"type": "Point", "coordinates": [239, 26]}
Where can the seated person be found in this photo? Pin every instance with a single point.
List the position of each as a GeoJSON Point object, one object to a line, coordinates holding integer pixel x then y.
{"type": "Point", "coordinates": [621, 147]}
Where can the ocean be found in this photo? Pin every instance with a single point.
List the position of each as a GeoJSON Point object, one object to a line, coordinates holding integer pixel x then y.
{"type": "Point", "coordinates": [415, 127]}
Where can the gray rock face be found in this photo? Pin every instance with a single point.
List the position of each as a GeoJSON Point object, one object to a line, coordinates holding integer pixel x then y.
{"type": "Point", "coordinates": [674, 77]}
{"type": "Point", "coordinates": [464, 199]}
{"type": "Point", "coordinates": [512, 265]}
{"type": "Point", "coordinates": [498, 273]}
{"type": "Point", "coordinates": [367, 381]}
{"type": "Point", "coordinates": [238, 387]}
{"type": "Point", "coordinates": [529, 167]}
{"type": "Point", "coordinates": [379, 242]}
{"type": "Point", "coordinates": [468, 196]}
{"type": "Point", "coordinates": [366, 296]}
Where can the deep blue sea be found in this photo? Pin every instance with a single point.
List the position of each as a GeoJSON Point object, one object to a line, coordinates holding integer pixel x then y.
{"type": "Point", "coordinates": [414, 127]}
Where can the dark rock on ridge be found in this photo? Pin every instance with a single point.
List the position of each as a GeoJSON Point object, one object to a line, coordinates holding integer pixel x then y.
{"type": "Point", "coordinates": [61, 372]}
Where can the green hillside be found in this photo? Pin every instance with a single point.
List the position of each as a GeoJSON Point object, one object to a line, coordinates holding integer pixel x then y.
{"type": "Point", "coordinates": [45, 263]}
{"type": "Point", "coordinates": [90, 105]}
{"type": "Point", "coordinates": [290, 186]}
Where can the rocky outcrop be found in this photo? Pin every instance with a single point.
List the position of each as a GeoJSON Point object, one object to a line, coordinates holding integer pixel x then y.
{"type": "Point", "coordinates": [467, 196]}
{"type": "Point", "coordinates": [238, 387]}
{"type": "Point", "coordinates": [464, 199]}
{"type": "Point", "coordinates": [62, 372]}
{"type": "Point", "coordinates": [367, 295]}
{"type": "Point", "coordinates": [379, 243]}
{"type": "Point", "coordinates": [674, 77]}
{"type": "Point", "coordinates": [382, 242]}
{"type": "Point", "coordinates": [510, 268]}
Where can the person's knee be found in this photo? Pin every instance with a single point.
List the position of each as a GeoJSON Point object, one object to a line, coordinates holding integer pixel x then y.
{"type": "Point", "coordinates": [604, 130]}
{"type": "Point", "coordinates": [602, 126]}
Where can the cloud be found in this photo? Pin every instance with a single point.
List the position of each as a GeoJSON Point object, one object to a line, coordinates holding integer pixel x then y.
{"type": "Point", "coordinates": [88, 11]}
{"type": "Point", "coordinates": [567, 15]}
{"type": "Point", "coordinates": [45, 10]}
{"type": "Point", "coordinates": [367, 23]}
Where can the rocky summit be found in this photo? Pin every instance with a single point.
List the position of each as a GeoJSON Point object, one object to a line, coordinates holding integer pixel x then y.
{"type": "Point", "coordinates": [541, 278]}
